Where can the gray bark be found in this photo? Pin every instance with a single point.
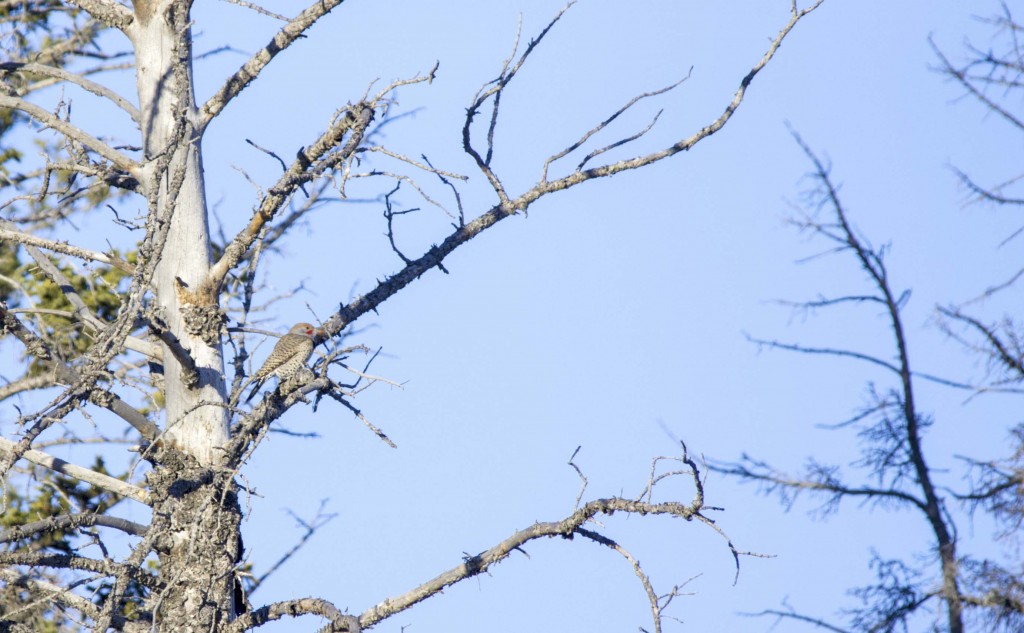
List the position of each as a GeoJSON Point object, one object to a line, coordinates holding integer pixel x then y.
{"type": "Point", "coordinates": [196, 517]}
{"type": "Point", "coordinates": [173, 181]}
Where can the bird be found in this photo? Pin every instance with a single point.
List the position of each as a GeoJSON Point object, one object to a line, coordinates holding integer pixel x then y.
{"type": "Point", "coordinates": [289, 356]}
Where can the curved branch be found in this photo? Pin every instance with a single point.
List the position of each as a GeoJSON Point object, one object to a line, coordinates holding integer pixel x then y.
{"type": "Point", "coordinates": [998, 349]}
{"type": "Point", "coordinates": [507, 207]}
{"type": "Point", "coordinates": [72, 132]}
{"type": "Point", "coordinates": [296, 608]}
{"type": "Point", "coordinates": [508, 73]}
{"type": "Point", "coordinates": [652, 597]}
{"type": "Point", "coordinates": [688, 143]}
{"type": "Point", "coordinates": [93, 87]}
{"type": "Point", "coordinates": [792, 615]}
{"type": "Point", "coordinates": [480, 563]}
{"type": "Point", "coordinates": [252, 68]}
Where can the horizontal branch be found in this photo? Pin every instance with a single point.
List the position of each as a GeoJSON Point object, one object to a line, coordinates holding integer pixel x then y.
{"type": "Point", "coordinates": [66, 561]}
{"type": "Point", "coordinates": [99, 480]}
{"type": "Point", "coordinates": [82, 311]}
{"type": "Point", "coordinates": [792, 615]}
{"type": "Point", "coordinates": [29, 383]}
{"type": "Point", "coordinates": [845, 353]}
{"type": "Point", "coordinates": [832, 486]}
{"type": "Point", "coordinates": [66, 521]}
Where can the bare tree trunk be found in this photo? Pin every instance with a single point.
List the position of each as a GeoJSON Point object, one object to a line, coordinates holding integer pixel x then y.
{"type": "Point", "coordinates": [196, 520]}
{"type": "Point", "coordinates": [174, 186]}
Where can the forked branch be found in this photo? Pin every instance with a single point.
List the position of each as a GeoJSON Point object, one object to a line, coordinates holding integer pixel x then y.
{"type": "Point", "coordinates": [480, 563]}
{"type": "Point", "coordinates": [508, 206]}
{"type": "Point", "coordinates": [77, 134]}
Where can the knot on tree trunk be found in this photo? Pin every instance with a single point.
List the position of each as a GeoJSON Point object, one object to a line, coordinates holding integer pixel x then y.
{"type": "Point", "coordinates": [201, 312]}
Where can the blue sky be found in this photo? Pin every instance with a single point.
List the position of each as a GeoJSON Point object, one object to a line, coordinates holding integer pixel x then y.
{"type": "Point", "coordinates": [613, 317]}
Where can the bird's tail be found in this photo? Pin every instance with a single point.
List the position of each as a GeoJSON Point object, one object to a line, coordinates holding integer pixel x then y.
{"type": "Point", "coordinates": [256, 387]}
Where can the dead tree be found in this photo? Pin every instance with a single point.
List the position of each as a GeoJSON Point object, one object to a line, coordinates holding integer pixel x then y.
{"type": "Point", "coordinates": [894, 470]}
{"type": "Point", "coordinates": [160, 327]}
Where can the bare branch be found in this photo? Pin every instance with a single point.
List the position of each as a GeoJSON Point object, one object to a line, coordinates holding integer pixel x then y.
{"type": "Point", "coordinates": [313, 160]}
{"type": "Point", "coordinates": [65, 248]}
{"type": "Point", "coordinates": [71, 521]}
{"type": "Point", "coordinates": [415, 163]}
{"type": "Point", "coordinates": [67, 375]}
{"type": "Point", "coordinates": [992, 195]}
{"type": "Point", "coordinates": [77, 79]}
{"type": "Point", "coordinates": [507, 207]}
{"type": "Point", "coordinates": [603, 124]}
{"type": "Point", "coordinates": [792, 615]}
{"type": "Point", "coordinates": [828, 484]}
{"type": "Point", "coordinates": [829, 351]}
{"type": "Point", "coordinates": [72, 132]}
{"type": "Point", "coordinates": [583, 479]}
{"type": "Point", "coordinates": [895, 443]}
{"type": "Point", "coordinates": [508, 73]}
{"type": "Point", "coordinates": [1013, 362]}
{"type": "Point", "coordinates": [645, 581]}
{"type": "Point", "coordinates": [99, 480]}
{"type": "Point", "coordinates": [252, 68]}
{"type": "Point", "coordinates": [82, 311]}
{"type": "Point", "coordinates": [48, 592]}
{"type": "Point", "coordinates": [26, 384]}
{"type": "Point", "coordinates": [359, 414]}
{"type": "Point", "coordinates": [480, 563]}
{"type": "Point", "coordinates": [108, 12]}
{"type": "Point", "coordinates": [64, 561]}
{"type": "Point", "coordinates": [960, 75]}
{"type": "Point", "coordinates": [310, 527]}
{"type": "Point", "coordinates": [258, 9]}
{"type": "Point", "coordinates": [295, 608]}
{"type": "Point", "coordinates": [688, 143]}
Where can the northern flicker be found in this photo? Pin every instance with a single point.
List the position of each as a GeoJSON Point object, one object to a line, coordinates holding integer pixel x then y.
{"type": "Point", "coordinates": [289, 356]}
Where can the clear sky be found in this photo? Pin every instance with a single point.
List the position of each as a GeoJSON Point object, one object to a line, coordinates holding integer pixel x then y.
{"type": "Point", "coordinates": [613, 317]}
